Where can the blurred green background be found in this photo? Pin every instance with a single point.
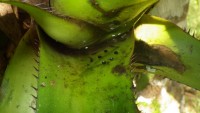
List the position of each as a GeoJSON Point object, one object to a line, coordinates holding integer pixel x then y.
{"type": "Point", "coordinates": [193, 17]}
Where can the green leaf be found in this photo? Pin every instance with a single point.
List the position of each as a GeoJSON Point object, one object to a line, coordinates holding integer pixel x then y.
{"type": "Point", "coordinates": [76, 29]}
{"type": "Point", "coordinates": [106, 15]}
{"type": "Point", "coordinates": [17, 92]}
{"type": "Point", "coordinates": [73, 33]}
{"type": "Point", "coordinates": [95, 80]}
{"type": "Point", "coordinates": [166, 49]}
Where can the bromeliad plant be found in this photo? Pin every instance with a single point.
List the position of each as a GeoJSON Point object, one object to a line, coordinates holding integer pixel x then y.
{"type": "Point", "coordinates": [82, 55]}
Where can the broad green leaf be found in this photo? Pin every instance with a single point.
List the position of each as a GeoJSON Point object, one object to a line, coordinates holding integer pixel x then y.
{"type": "Point", "coordinates": [107, 15]}
{"type": "Point", "coordinates": [95, 80]}
{"type": "Point", "coordinates": [78, 33]}
{"type": "Point", "coordinates": [168, 50]}
{"type": "Point", "coordinates": [17, 93]}
{"type": "Point", "coordinates": [73, 33]}
{"type": "Point", "coordinates": [80, 24]}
